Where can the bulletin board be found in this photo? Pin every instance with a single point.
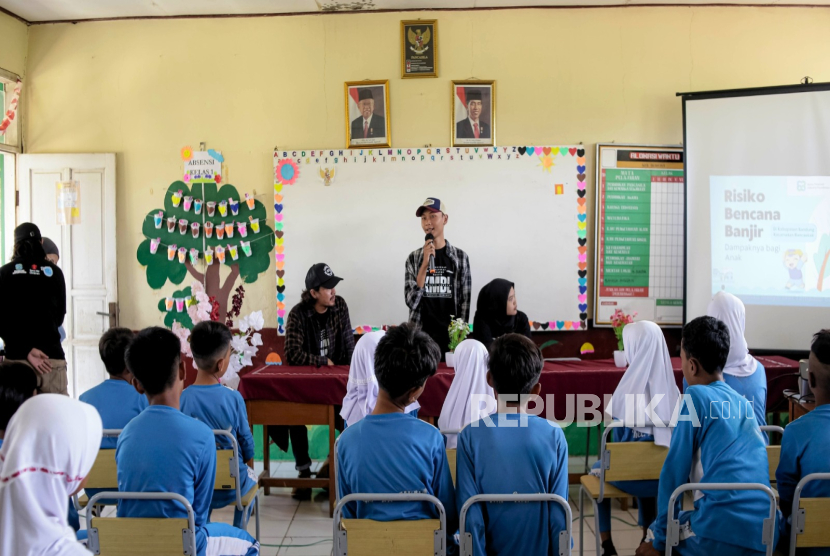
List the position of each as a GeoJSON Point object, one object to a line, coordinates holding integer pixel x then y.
{"type": "Point", "coordinates": [639, 229]}
{"type": "Point", "coordinates": [519, 213]}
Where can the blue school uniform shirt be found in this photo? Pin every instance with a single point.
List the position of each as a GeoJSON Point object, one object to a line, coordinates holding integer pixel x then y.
{"type": "Point", "coordinates": [805, 449]}
{"type": "Point", "coordinates": [393, 454]}
{"type": "Point", "coordinates": [164, 450]}
{"type": "Point", "coordinates": [511, 459]}
{"type": "Point", "coordinates": [730, 449]}
{"type": "Point", "coordinates": [117, 402]}
{"type": "Point", "coordinates": [219, 407]}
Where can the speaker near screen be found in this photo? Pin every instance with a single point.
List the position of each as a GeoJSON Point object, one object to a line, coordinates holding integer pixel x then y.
{"type": "Point", "coordinates": [758, 208]}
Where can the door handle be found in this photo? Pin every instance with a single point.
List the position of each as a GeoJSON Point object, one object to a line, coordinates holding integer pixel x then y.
{"type": "Point", "coordinates": [112, 314]}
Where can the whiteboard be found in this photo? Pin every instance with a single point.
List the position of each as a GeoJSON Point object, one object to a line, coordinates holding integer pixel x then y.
{"type": "Point", "coordinates": [518, 212]}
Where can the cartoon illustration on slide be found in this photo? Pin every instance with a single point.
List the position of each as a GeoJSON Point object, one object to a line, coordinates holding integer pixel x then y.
{"type": "Point", "coordinates": [822, 260]}
{"type": "Point", "coordinates": [794, 259]}
{"type": "Point", "coordinates": [724, 276]}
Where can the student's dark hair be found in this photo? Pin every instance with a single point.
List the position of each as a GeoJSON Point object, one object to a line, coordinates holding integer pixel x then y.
{"type": "Point", "coordinates": [17, 384]}
{"type": "Point", "coordinates": [153, 357]}
{"type": "Point", "coordinates": [209, 342]}
{"type": "Point", "coordinates": [113, 347]}
{"type": "Point", "coordinates": [306, 298]}
{"type": "Point", "coordinates": [405, 358]}
{"type": "Point", "coordinates": [29, 249]}
{"type": "Point", "coordinates": [707, 340]}
{"type": "Point", "coordinates": [821, 350]}
{"type": "Point", "coordinates": [515, 364]}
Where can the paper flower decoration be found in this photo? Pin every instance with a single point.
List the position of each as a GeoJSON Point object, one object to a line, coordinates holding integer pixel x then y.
{"type": "Point", "coordinates": [186, 178]}
{"type": "Point", "coordinates": [187, 153]}
{"type": "Point", "coordinates": [218, 178]}
{"type": "Point", "coordinates": [287, 171]}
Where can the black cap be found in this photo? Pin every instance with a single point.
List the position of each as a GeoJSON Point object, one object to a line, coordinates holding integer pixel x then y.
{"type": "Point", "coordinates": [27, 230]}
{"type": "Point", "coordinates": [365, 94]}
{"type": "Point", "coordinates": [50, 247]}
{"type": "Point", "coordinates": [321, 276]}
{"type": "Point", "coordinates": [473, 94]}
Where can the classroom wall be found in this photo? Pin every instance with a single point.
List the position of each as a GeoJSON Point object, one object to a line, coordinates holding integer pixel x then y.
{"type": "Point", "coordinates": [144, 89]}
{"type": "Point", "coordinates": [14, 43]}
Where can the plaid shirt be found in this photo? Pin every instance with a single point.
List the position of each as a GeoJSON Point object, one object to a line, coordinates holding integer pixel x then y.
{"type": "Point", "coordinates": [302, 335]}
{"type": "Point", "coordinates": [462, 283]}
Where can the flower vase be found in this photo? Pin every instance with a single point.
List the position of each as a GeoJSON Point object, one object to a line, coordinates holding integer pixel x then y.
{"type": "Point", "coordinates": [619, 358]}
{"type": "Point", "coordinates": [450, 359]}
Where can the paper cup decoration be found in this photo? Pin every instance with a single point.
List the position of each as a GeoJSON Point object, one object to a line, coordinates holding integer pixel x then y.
{"type": "Point", "coordinates": [208, 229]}
{"type": "Point", "coordinates": [171, 224]}
{"type": "Point", "coordinates": [197, 206]}
{"type": "Point", "coordinates": [234, 251]}
{"type": "Point", "coordinates": [208, 256]}
{"type": "Point", "coordinates": [254, 224]}
{"type": "Point", "coordinates": [194, 229]}
{"type": "Point", "coordinates": [177, 198]}
{"type": "Point", "coordinates": [250, 200]}
{"type": "Point", "coordinates": [180, 304]}
{"type": "Point", "coordinates": [229, 229]}
{"type": "Point", "coordinates": [154, 245]}
{"type": "Point", "coordinates": [220, 253]}
{"type": "Point", "coordinates": [168, 303]}
{"type": "Point", "coordinates": [220, 230]}
{"type": "Point", "coordinates": [182, 226]}
{"type": "Point", "coordinates": [194, 256]}
{"type": "Point", "coordinates": [246, 248]}
{"type": "Point", "coordinates": [158, 219]}
{"type": "Point", "coordinates": [171, 252]}
{"type": "Point", "coordinates": [243, 228]}
{"type": "Point", "coordinates": [234, 204]}
{"type": "Point", "coordinates": [182, 254]}
{"type": "Point", "coordinates": [188, 202]}
{"type": "Point", "coordinates": [211, 208]}
{"type": "Point", "coordinates": [223, 208]}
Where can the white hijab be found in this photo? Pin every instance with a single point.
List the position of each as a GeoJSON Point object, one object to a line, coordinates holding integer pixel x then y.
{"type": "Point", "coordinates": [50, 446]}
{"type": "Point", "coordinates": [649, 373]}
{"type": "Point", "coordinates": [730, 310]}
{"type": "Point", "coordinates": [470, 379]}
{"type": "Point", "coordinates": [362, 388]}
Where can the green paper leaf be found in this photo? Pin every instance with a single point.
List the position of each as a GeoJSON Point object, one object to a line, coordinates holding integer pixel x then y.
{"type": "Point", "coordinates": [174, 316]}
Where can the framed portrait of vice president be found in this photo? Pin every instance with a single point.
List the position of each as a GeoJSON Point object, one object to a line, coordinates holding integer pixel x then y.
{"type": "Point", "coordinates": [368, 114]}
{"type": "Point", "coordinates": [473, 113]}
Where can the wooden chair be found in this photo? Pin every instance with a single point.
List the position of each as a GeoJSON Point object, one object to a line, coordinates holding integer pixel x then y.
{"type": "Point", "coordinates": [673, 525]}
{"type": "Point", "coordinates": [130, 536]}
{"type": "Point", "coordinates": [467, 538]}
{"type": "Point", "coordinates": [452, 454]}
{"type": "Point", "coordinates": [103, 475]}
{"type": "Point", "coordinates": [620, 461]}
{"type": "Point", "coordinates": [773, 452]}
{"type": "Point", "coordinates": [227, 471]}
{"type": "Point", "coordinates": [810, 517]}
{"type": "Point", "coordinates": [367, 537]}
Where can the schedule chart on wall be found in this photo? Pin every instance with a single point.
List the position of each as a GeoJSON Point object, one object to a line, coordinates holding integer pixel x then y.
{"type": "Point", "coordinates": [639, 250]}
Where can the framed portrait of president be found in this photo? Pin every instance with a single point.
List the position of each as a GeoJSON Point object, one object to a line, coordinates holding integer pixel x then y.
{"type": "Point", "coordinates": [419, 48]}
{"type": "Point", "coordinates": [473, 113]}
{"type": "Point", "coordinates": [367, 114]}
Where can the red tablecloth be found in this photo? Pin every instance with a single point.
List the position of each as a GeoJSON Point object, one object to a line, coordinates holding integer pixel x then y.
{"type": "Point", "coordinates": [327, 385]}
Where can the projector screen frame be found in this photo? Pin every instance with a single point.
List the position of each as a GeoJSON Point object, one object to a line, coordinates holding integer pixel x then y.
{"type": "Point", "coordinates": [725, 93]}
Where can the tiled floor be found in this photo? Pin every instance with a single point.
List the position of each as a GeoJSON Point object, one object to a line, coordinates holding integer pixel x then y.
{"type": "Point", "coordinates": [289, 527]}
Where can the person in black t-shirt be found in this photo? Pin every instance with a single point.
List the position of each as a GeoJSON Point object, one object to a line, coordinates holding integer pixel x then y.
{"type": "Point", "coordinates": [435, 297]}
{"type": "Point", "coordinates": [33, 305]}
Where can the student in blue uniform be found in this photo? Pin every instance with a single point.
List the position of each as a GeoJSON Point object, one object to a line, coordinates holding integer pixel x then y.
{"type": "Point", "coordinates": [500, 455]}
{"type": "Point", "coordinates": [391, 452]}
{"type": "Point", "coordinates": [805, 447]}
{"type": "Point", "coordinates": [219, 407]}
{"type": "Point", "coordinates": [649, 373]}
{"type": "Point", "coordinates": [164, 450]}
{"type": "Point", "coordinates": [716, 440]}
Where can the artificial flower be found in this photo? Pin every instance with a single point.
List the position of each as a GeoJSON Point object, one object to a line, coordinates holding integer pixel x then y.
{"type": "Point", "coordinates": [256, 320]}
{"type": "Point", "coordinates": [256, 339]}
{"type": "Point", "coordinates": [184, 337]}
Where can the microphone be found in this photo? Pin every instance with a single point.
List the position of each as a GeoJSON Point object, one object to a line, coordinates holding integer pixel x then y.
{"type": "Point", "coordinates": [430, 237]}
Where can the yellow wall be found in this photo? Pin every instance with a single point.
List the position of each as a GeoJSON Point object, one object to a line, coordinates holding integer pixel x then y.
{"type": "Point", "coordinates": [13, 44]}
{"type": "Point", "coordinates": [143, 89]}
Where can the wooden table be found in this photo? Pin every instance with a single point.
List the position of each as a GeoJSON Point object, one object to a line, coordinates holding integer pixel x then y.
{"type": "Point", "coordinates": [799, 406]}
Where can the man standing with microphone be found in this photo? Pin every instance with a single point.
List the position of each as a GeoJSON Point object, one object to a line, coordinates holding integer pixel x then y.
{"type": "Point", "coordinates": [438, 280]}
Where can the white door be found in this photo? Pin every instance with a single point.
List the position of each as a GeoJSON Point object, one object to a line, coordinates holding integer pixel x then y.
{"type": "Point", "coordinates": [87, 250]}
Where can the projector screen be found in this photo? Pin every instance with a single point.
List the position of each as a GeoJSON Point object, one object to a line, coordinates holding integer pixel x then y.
{"type": "Point", "coordinates": [758, 208]}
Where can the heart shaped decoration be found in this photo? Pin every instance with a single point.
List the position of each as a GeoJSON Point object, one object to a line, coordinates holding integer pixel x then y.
{"type": "Point", "coordinates": [280, 239]}
{"type": "Point", "coordinates": [547, 150]}
{"type": "Point", "coordinates": [281, 312]}
{"type": "Point", "coordinates": [279, 235]}
{"type": "Point", "coordinates": [580, 169]}
{"type": "Point", "coordinates": [280, 264]}
{"type": "Point", "coordinates": [568, 325]}
{"type": "Point", "coordinates": [581, 209]}
{"type": "Point", "coordinates": [583, 281]}
{"type": "Point", "coordinates": [583, 299]}
{"type": "Point", "coordinates": [280, 305]}
{"type": "Point", "coordinates": [582, 249]}
{"type": "Point", "coordinates": [581, 233]}
{"type": "Point", "coordinates": [531, 151]}
{"type": "Point", "coordinates": [560, 324]}
{"type": "Point", "coordinates": [583, 289]}
{"type": "Point", "coordinates": [280, 281]}
{"type": "Point", "coordinates": [583, 266]}
{"type": "Point", "coordinates": [580, 177]}
{"type": "Point", "coordinates": [280, 248]}
{"type": "Point", "coordinates": [278, 217]}
{"type": "Point", "coordinates": [278, 207]}
{"type": "Point", "coordinates": [581, 193]}
{"type": "Point", "coordinates": [280, 289]}
{"type": "Point", "coordinates": [554, 151]}
{"type": "Point", "coordinates": [539, 150]}
{"type": "Point", "coordinates": [581, 160]}
{"type": "Point", "coordinates": [278, 226]}
{"type": "Point", "coordinates": [536, 326]}
{"type": "Point", "coordinates": [580, 152]}
{"type": "Point", "coordinates": [522, 150]}
{"type": "Point", "coordinates": [572, 151]}
{"type": "Point", "coordinates": [582, 241]}
{"type": "Point", "coordinates": [552, 325]}
{"type": "Point", "coordinates": [583, 257]}
{"type": "Point", "coordinates": [581, 185]}
{"type": "Point", "coordinates": [581, 217]}
{"type": "Point", "coordinates": [281, 296]}
{"type": "Point", "coordinates": [280, 274]}
{"type": "Point", "coordinates": [581, 200]}
{"type": "Point", "coordinates": [582, 273]}
{"type": "Point", "coordinates": [581, 225]}
{"type": "Point", "coordinates": [583, 325]}
{"type": "Point", "coordinates": [583, 307]}
{"type": "Point", "coordinates": [280, 258]}
{"type": "Point", "coordinates": [278, 198]}
{"type": "Point", "coordinates": [544, 326]}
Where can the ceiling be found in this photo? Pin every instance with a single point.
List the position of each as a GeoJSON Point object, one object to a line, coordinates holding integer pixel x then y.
{"type": "Point", "coordinates": [73, 10]}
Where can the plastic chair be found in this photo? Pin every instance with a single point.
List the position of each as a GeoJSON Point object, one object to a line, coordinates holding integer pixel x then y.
{"type": "Point", "coordinates": [139, 536]}
{"type": "Point", "coordinates": [810, 517]}
{"type": "Point", "coordinates": [673, 525]}
{"type": "Point", "coordinates": [620, 461]}
{"type": "Point", "coordinates": [103, 475]}
{"type": "Point", "coordinates": [773, 452]}
{"type": "Point", "coordinates": [227, 471]}
{"type": "Point", "coordinates": [420, 537]}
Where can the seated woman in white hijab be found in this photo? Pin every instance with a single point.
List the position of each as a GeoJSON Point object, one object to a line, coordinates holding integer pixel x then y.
{"type": "Point", "coordinates": [50, 446]}
{"type": "Point", "coordinates": [362, 388]}
{"type": "Point", "coordinates": [470, 380]}
{"type": "Point", "coordinates": [742, 372]}
{"type": "Point", "coordinates": [649, 373]}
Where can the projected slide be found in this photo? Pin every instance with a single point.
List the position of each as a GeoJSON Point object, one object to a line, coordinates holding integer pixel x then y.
{"type": "Point", "coordinates": [771, 238]}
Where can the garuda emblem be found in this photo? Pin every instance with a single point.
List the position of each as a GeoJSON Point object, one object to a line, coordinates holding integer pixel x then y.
{"type": "Point", "coordinates": [418, 39]}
